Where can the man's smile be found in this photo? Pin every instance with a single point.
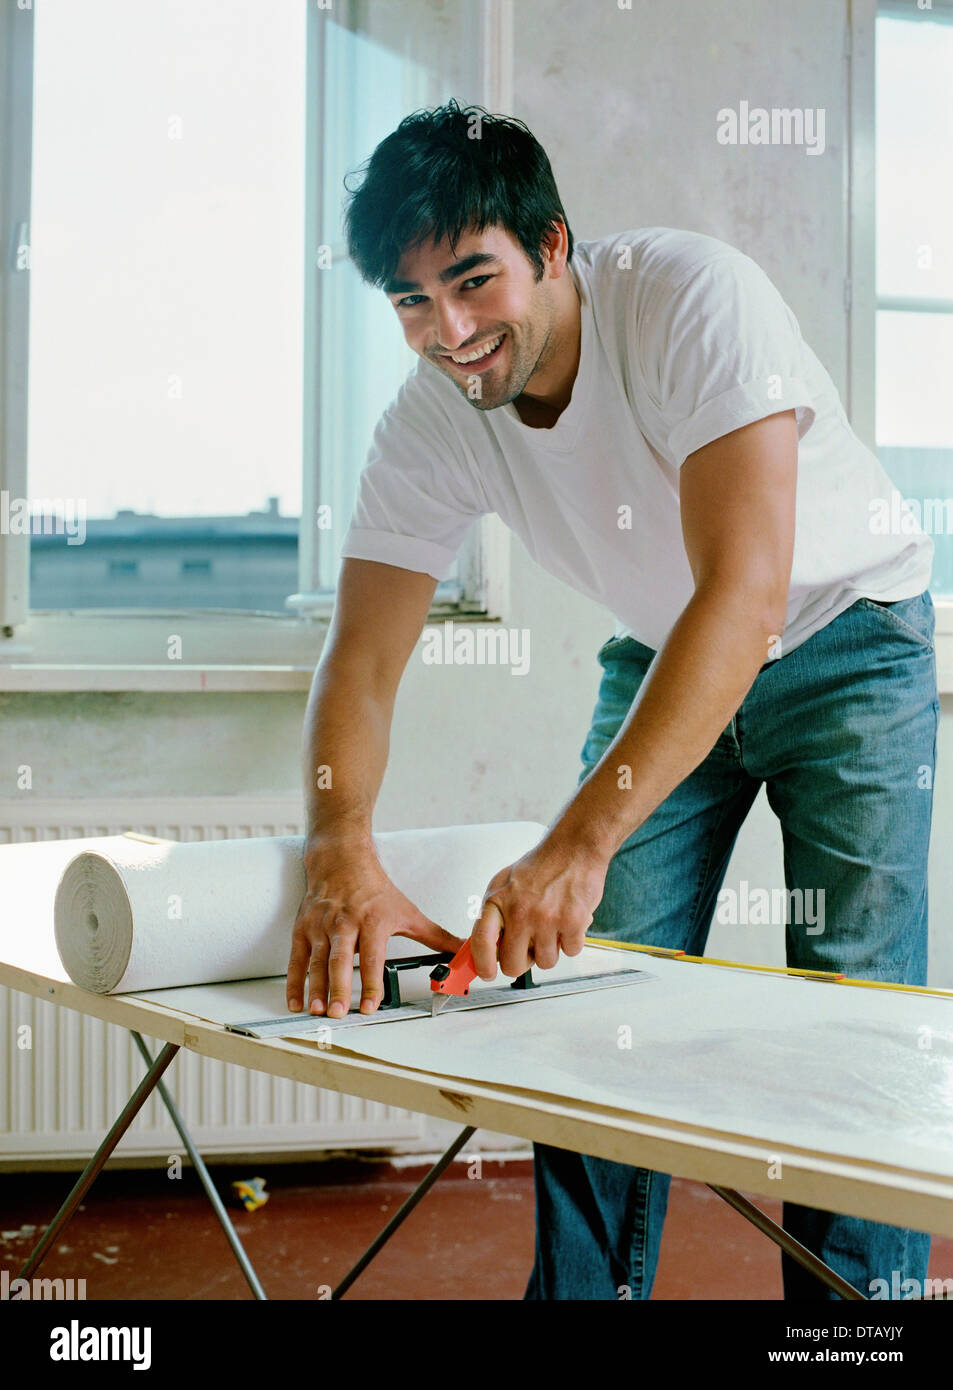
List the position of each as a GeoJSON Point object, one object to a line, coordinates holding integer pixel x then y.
{"type": "Point", "coordinates": [478, 358]}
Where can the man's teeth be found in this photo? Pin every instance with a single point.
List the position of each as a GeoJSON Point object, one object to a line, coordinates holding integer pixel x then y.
{"type": "Point", "coordinates": [479, 352]}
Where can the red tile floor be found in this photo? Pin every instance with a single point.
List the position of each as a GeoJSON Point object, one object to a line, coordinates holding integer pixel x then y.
{"type": "Point", "coordinates": [142, 1235]}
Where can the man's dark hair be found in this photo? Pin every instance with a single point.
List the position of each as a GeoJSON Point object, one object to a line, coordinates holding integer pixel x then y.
{"type": "Point", "coordinates": [442, 171]}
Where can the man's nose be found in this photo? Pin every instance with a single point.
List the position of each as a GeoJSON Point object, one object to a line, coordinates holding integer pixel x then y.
{"type": "Point", "coordinates": [453, 324]}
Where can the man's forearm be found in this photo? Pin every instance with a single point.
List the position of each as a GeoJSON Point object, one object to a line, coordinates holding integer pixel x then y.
{"type": "Point", "coordinates": [693, 689]}
{"type": "Point", "coordinates": [345, 744]}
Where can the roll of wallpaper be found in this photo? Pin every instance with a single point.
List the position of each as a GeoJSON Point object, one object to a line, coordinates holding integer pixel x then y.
{"type": "Point", "coordinates": [29, 874]}
{"type": "Point", "coordinates": [152, 916]}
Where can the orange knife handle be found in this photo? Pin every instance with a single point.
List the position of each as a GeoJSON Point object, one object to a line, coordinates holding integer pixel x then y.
{"type": "Point", "coordinates": [455, 977]}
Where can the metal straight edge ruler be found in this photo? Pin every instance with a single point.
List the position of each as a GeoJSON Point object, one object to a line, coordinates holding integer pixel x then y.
{"type": "Point", "coordinates": [294, 1025]}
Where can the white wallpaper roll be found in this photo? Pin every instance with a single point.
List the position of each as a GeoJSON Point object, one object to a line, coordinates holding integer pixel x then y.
{"type": "Point", "coordinates": [147, 916]}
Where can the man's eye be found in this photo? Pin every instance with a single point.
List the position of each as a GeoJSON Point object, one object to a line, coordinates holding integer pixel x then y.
{"type": "Point", "coordinates": [410, 301]}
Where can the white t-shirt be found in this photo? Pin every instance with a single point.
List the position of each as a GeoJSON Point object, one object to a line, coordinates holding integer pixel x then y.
{"type": "Point", "coordinates": [683, 339]}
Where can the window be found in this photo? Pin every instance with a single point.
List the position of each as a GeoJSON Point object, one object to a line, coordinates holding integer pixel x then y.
{"type": "Point", "coordinates": [201, 395]}
{"type": "Point", "coordinates": [372, 74]}
{"type": "Point", "coordinates": [166, 284]}
{"type": "Point", "coordinates": [914, 276]}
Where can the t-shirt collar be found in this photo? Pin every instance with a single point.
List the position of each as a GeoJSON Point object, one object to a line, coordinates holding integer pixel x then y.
{"type": "Point", "coordinates": [564, 433]}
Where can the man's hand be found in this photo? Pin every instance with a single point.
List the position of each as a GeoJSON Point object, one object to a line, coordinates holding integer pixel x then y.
{"type": "Point", "coordinates": [539, 906]}
{"type": "Point", "coordinates": [350, 905]}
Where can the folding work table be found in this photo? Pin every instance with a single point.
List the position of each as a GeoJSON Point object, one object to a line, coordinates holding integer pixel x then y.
{"type": "Point", "coordinates": [832, 1095]}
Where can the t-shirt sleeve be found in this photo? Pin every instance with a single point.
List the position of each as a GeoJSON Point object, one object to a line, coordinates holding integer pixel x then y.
{"type": "Point", "coordinates": [718, 352]}
{"type": "Point", "coordinates": [416, 498]}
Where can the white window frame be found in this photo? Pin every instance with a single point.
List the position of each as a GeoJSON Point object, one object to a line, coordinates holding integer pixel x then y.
{"type": "Point", "coordinates": [221, 649]}
{"type": "Point", "coordinates": [861, 285]}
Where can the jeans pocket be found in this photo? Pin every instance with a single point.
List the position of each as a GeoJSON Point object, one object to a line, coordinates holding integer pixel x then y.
{"type": "Point", "coordinates": [607, 647]}
{"type": "Point", "coordinates": [625, 649]}
{"type": "Point", "coordinates": [915, 617]}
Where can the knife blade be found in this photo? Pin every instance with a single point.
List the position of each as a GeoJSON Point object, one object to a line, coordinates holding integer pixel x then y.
{"type": "Point", "coordinates": [451, 979]}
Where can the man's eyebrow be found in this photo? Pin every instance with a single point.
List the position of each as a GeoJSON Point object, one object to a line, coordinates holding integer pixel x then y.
{"type": "Point", "coordinates": [452, 272]}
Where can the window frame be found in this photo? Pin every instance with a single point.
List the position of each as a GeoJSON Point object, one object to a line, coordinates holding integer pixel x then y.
{"type": "Point", "coordinates": [860, 291]}
{"type": "Point", "coordinates": [76, 649]}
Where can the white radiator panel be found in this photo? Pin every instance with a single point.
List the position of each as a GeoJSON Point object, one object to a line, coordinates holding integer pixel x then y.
{"type": "Point", "coordinates": [58, 1097]}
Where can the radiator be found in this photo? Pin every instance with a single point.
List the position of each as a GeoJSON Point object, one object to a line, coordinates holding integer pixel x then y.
{"type": "Point", "coordinates": [58, 1097]}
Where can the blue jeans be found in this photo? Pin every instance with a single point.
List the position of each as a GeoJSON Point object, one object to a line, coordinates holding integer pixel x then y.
{"type": "Point", "coordinates": [842, 731]}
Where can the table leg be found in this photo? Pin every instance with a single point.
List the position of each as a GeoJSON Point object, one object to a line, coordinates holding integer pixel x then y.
{"type": "Point", "coordinates": [793, 1247]}
{"type": "Point", "coordinates": [89, 1174]}
{"type": "Point", "coordinates": [419, 1191]}
{"type": "Point", "coordinates": [198, 1163]}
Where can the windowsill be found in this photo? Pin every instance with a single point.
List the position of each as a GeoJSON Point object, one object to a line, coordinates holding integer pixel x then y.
{"type": "Point", "coordinates": [190, 650]}
{"type": "Point", "coordinates": [37, 676]}
{"type": "Point", "coordinates": [79, 651]}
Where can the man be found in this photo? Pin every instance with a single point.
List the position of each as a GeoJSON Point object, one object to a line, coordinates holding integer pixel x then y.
{"type": "Point", "coordinates": [643, 412]}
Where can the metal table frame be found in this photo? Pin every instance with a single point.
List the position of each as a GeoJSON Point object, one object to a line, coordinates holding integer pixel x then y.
{"type": "Point", "coordinates": [152, 1081]}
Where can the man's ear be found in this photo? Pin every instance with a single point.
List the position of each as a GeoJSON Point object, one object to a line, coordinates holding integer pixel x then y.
{"type": "Point", "coordinates": [554, 248]}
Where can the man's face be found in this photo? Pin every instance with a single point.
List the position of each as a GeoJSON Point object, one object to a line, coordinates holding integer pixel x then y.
{"type": "Point", "coordinates": [456, 303]}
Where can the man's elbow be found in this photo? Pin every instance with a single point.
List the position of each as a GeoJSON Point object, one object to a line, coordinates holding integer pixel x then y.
{"type": "Point", "coordinates": [760, 603]}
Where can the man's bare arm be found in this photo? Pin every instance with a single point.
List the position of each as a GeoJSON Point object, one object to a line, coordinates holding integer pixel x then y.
{"type": "Point", "coordinates": [378, 617]}
{"type": "Point", "coordinates": [351, 904]}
